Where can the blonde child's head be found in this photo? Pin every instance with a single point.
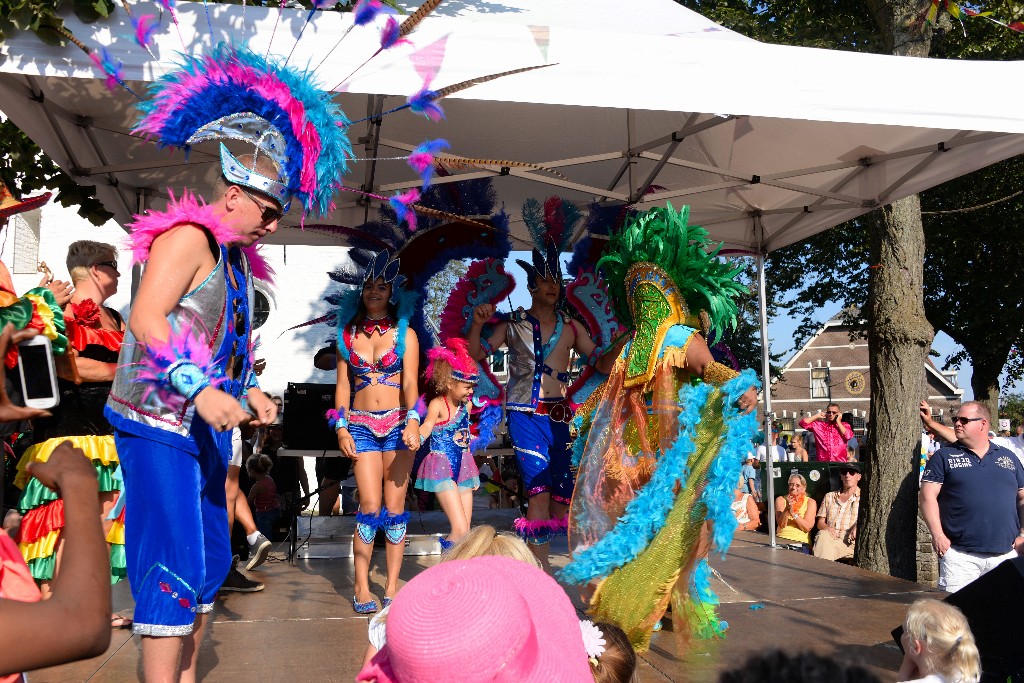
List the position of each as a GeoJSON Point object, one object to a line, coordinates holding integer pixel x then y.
{"type": "Point", "coordinates": [939, 639]}
{"type": "Point", "coordinates": [485, 540]}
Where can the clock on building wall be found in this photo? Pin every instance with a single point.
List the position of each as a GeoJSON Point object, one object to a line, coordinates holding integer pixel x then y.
{"type": "Point", "coordinates": [855, 382]}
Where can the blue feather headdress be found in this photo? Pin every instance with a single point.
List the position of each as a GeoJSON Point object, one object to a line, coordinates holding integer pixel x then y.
{"type": "Point", "coordinates": [234, 93]}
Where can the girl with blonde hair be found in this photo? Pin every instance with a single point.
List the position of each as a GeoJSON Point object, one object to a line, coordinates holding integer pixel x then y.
{"type": "Point", "coordinates": [938, 646]}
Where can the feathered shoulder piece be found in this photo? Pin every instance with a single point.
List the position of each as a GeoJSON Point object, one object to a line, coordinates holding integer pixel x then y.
{"type": "Point", "coordinates": [189, 209]}
{"type": "Point", "coordinates": [659, 249]}
{"type": "Point", "coordinates": [233, 93]}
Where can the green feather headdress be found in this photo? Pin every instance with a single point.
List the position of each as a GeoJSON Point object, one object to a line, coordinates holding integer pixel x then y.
{"type": "Point", "coordinates": [663, 237]}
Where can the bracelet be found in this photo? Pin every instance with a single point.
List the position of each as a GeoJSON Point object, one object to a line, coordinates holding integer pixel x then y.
{"type": "Point", "coordinates": [187, 379]}
{"type": "Point", "coordinates": [336, 419]}
{"type": "Point", "coordinates": [412, 415]}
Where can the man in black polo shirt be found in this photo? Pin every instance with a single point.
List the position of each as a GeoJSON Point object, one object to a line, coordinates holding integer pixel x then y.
{"type": "Point", "coordinates": [972, 499]}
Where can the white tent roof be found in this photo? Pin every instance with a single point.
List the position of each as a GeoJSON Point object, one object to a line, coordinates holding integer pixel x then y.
{"type": "Point", "coordinates": [768, 144]}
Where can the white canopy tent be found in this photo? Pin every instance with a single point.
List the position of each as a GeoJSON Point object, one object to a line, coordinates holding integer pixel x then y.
{"type": "Point", "coordinates": [768, 144]}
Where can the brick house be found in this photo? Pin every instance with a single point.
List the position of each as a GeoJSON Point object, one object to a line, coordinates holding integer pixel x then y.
{"type": "Point", "coordinates": [832, 367]}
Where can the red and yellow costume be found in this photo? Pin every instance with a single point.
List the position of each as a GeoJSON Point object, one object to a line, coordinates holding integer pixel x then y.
{"type": "Point", "coordinates": [78, 419]}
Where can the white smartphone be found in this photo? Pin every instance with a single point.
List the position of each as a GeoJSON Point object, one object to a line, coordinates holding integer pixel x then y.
{"type": "Point", "coordinates": [38, 377]}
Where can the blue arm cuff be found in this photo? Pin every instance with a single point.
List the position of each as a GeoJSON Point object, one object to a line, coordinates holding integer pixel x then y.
{"type": "Point", "coordinates": [187, 379]}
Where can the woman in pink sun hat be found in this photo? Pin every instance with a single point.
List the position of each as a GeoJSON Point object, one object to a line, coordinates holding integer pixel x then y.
{"type": "Point", "coordinates": [513, 621]}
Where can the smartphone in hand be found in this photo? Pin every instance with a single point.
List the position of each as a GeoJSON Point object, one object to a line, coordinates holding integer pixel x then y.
{"type": "Point", "coordinates": [38, 376]}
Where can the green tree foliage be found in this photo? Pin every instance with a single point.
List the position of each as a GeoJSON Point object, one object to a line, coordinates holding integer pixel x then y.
{"type": "Point", "coordinates": [25, 170]}
{"type": "Point", "coordinates": [1012, 406]}
{"type": "Point", "coordinates": [745, 340]}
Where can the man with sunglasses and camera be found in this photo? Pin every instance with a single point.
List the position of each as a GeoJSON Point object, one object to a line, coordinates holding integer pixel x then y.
{"type": "Point", "coordinates": [972, 498]}
{"type": "Point", "coordinates": [830, 433]}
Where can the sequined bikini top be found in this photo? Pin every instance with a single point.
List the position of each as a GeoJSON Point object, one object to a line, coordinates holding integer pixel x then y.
{"type": "Point", "coordinates": [387, 366]}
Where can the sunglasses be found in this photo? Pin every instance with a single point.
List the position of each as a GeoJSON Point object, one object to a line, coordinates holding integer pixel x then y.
{"type": "Point", "coordinates": [109, 264]}
{"type": "Point", "coordinates": [848, 472]}
{"type": "Point", "coordinates": [964, 421]}
{"type": "Point", "coordinates": [270, 213]}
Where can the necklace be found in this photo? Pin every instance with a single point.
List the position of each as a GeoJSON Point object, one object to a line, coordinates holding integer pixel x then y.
{"type": "Point", "coordinates": [381, 325]}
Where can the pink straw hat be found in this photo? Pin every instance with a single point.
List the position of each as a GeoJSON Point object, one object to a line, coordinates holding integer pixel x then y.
{"type": "Point", "coordinates": [486, 619]}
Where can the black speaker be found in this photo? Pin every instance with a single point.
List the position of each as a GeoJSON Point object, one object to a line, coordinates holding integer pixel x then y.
{"type": "Point", "coordinates": [305, 423]}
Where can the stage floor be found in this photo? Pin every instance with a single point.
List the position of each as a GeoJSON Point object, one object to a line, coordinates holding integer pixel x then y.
{"type": "Point", "coordinates": [302, 628]}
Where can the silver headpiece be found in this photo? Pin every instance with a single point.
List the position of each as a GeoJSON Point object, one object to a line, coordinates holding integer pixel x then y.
{"type": "Point", "coordinates": [266, 139]}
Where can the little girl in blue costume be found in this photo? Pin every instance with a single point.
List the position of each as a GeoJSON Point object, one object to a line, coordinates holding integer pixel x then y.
{"type": "Point", "coordinates": [448, 469]}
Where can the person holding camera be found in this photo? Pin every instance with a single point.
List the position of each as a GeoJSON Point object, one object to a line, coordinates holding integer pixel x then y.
{"type": "Point", "coordinates": [831, 434]}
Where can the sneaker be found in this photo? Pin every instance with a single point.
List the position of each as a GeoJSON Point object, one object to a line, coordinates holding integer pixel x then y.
{"type": "Point", "coordinates": [259, 550]}
{"type": "Point", "coordinates": [237, 583]}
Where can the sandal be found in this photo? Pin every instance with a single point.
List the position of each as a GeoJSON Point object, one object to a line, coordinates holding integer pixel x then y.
{"type": "Point", "coordinates": [368, 607]}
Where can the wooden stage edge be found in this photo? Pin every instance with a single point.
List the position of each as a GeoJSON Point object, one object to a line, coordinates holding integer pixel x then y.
{"type": "Point", "coordinates": [302, 627]}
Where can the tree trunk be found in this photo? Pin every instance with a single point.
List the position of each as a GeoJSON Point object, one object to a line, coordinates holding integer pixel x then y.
{"type": "Point", "coordinates": [985, 382]}
{"type": "Point", "coordinates": [899, 338]}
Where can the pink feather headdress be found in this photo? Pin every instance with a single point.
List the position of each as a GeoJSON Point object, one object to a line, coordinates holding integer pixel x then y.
{"type": "Point", "coordinates": [455, 353]}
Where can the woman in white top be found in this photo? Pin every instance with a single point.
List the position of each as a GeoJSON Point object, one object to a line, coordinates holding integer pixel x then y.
{"type": "Point", "coordinates": [745, 509]}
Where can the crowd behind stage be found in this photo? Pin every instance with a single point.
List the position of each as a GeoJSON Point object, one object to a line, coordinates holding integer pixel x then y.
{"type": "Point", "coordinates": [532, 629]}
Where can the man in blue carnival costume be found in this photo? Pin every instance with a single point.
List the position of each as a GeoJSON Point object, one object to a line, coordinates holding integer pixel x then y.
{"type": "Point", "coordinates": [662, 440]}
{"type": "Point", "coordinates": [539, 342]}
{"type": "Point", "coordinates": [185, 372]}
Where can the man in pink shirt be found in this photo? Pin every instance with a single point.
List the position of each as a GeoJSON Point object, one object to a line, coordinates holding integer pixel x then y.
{"type": "Point", "coordinates": [830, 433]}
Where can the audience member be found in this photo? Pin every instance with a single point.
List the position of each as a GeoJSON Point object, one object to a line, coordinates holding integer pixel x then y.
{"type": "Point", "coordinates": [748, 475]}
{"type": "Point", "coordinates": [794, 514]}
{"type": "Point", "coordinates": [75, 622]}
{"type": "Point", "coordinates": [799, 452]}
{"type": "Point", "coordinates": [262, 497]}
{"type": "Point", "coordinates": [239, 511]}
{"type": "Point", "coordinates": [777, 666]}
{"type": "Point", "coordinates": [837, 517]}
{"type": "Point", "coordinates": [938, 646]}
{"type": "Point", "coordinates": [95, 333]}
{"type": "Point", "coordinates": [481, 541]}
{"type": "Point", "coordinates": [499, 619]}
{"type": "Point", "coordinates": [830, 433]}
{"type": "Point", "coordinates": [611, 656]}
{"type": "Point", "coordinates": [972, 499]}
{"type": "Point", "coordinates": [745, 507]}
{"type": "Point", "coordinates": [771, 445]}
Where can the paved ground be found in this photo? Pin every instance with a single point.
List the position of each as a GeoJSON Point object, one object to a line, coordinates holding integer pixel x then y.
{"type": "Point", "coordinates": [302, 628]}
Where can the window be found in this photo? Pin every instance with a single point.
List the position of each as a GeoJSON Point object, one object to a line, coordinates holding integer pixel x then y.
{"type": "Point", "coordinates": [820, 383]}
{"type": "Point", "coordinates": [260, 310]}
{"type": "Point", "coordinates": [498, 361]}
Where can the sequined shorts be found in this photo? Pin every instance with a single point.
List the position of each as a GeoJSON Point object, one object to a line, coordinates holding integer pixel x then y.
{"type": "Point", "coordinates": [376, 430]}
{"type": "Point", "coordinates": [543, 453]}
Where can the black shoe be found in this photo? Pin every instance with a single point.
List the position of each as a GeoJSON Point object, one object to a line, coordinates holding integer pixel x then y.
{"type": "Point", "coordinates": [237, 583]}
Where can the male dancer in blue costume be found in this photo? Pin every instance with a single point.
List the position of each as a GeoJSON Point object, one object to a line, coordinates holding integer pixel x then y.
{"type": "Point", "coordinates": [196, 282]}
{"type": "Point", "coordinates": [539, 342]}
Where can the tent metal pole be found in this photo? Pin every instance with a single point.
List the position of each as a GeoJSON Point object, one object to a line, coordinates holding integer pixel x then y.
{"type": "Point", "coordinates": [762, 306]}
